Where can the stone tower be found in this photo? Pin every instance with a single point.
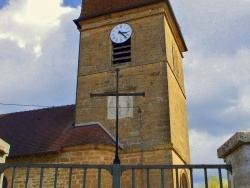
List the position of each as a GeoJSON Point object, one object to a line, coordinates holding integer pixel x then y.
{"type": "Point", "coordinates": [148, 51]}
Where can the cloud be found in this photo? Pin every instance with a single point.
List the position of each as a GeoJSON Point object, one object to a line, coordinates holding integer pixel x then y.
{"type": "Point", "coordinates": [28, 23]}
{"type": "Point", "coordinates": [218, 91]}
{"type": "Point", "coordinates": [217, 26]}
{"type": "Point", "coordinates": [216, 75]}
{"type": "Point", "coordinates": [204, 147]}
{"type": "Point", "coordinates": [217, 68]}
{"type": "Point", "coordinates": [217, 64]}
{"type": "Point", "coordinates": [36, 63]}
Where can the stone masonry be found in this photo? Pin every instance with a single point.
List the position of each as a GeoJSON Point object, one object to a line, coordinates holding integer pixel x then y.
{"type": "Point", "coordinates": [155, 68]}
{"type": "Point", "coordinates": [236, 151]}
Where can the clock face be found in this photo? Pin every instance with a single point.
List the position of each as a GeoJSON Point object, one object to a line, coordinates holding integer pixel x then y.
{"type": "Point", "coordinates": [125, 107]}
{"type": "Point", "coordinates": [120, 33]}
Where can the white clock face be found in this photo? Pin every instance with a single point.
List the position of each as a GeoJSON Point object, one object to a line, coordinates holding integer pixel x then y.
{"type": "Point", "coordinates": [120, 33]}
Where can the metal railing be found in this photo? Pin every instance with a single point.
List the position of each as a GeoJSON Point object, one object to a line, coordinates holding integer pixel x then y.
{"type": "Point", "coordinates": [80, 175]}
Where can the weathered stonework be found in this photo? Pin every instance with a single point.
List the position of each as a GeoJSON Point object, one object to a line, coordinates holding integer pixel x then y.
{"type": "Point", "coordinates": [236, 151]}
{"type": "Point", "coordinates": [155, 68]}
{"type": "Point", "coordinates": [4, 152]}
{"type": "Point", "coordinates": [88, 154]}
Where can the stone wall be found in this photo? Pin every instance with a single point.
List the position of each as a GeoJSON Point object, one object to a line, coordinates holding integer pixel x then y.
{"type": "Point", "coordinates": [236, 152]}
{"type": "Point", "coordinates": [157, 132]}
{"type": "Point", "coordinates": [144, 130]}
{"type": "Point", "coordinates": [155, 68]}
{"type": "Point", "coordinates": [89, 154]}
{"type": "Point", "coordinates": [161, 156]}
{"type": "Point", "coordinates": [102, 155]}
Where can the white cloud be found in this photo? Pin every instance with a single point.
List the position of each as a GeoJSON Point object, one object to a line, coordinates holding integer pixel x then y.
{"type": "Point", "coordinates": [28, 22]}
{"type": "Point", "coordinates": [204, 147]}
{"type": "Point", "coordinates": [240, 105]}
{"type": "Point", "coordinates": [217, 68]}
{"type": "Point", "coordinates": [38, 56]}
{"type": "Point", "coordinates": [218, 91]}
{"type": "Point", "coordinates": [210, 77]}
{"type": "Point", "coordinates": [217, 26]}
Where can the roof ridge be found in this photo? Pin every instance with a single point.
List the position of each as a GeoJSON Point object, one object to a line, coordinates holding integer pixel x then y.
{"type": "Point", "coordinates": [33, 110]}
{"type": "Point", "coordinates": [103, 128]}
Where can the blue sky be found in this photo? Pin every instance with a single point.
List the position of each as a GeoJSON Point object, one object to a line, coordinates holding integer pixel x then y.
{"type": "Point", "coordinates": [38, 63]}
{"type": "Point", "coordinates": [3, 3]}
{"type": "Point", "coordinates": [72, 3]}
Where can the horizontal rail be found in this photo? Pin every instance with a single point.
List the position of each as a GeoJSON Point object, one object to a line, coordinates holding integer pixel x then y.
{"type": "Point", "coordinates": [197, 166]}
{"type": "Point", "coordinates": [31, 165]}
{"type": "Point", "coordinates": [148, 171]}
{"type": "Point", "coordinates": [109, 167]}
{"type": "Point", "coordinates": [114, 94]}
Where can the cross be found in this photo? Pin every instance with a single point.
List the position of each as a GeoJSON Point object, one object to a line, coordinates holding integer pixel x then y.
{"type": "Point", "coordinates": [117, 94]}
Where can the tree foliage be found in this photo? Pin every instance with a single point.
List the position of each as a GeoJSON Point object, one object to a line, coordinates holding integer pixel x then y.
{"type": "Point", "coordinates": [214, 182]}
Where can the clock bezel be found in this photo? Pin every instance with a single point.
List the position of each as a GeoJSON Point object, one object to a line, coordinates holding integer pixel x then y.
{"type": "Point", "coordinates": [114, 31]}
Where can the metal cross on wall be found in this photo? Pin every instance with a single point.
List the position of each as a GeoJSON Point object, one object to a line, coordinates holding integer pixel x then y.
{"type": "Point", "coordinates": [117, 95]}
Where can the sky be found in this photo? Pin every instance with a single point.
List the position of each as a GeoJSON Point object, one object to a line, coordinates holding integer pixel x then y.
{"type": "Point", "coordinates": [39, 56]}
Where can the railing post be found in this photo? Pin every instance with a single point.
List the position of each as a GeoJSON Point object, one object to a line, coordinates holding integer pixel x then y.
{"type": "Point", "coordinates": [236, 152]}
{"type": "Point", "coordinates": [116, 175]}
{"type": "Point", "coordinates": [4, 152]}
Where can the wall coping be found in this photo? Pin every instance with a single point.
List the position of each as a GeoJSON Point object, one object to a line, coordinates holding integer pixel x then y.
{"type": "Point", "coordinates": [238, 139]}
{"type": "Point", "coordinates": [4, 147]}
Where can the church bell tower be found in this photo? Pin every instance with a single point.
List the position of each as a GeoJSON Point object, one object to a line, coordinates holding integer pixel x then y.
{"type": "Point", "coordinates": [142, 39]}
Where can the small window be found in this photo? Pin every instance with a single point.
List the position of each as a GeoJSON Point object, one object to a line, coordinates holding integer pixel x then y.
{"type": "Point", "coordinates": [5, 182]}
{"type": "Point", "coordinates": [121, 53]}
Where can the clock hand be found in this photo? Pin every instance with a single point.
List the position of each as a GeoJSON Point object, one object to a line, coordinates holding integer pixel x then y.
{"type": "Point", "coordinates": [122, 33]}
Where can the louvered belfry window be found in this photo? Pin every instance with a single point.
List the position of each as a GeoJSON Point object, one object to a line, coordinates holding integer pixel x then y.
{"type": "Point", "coordinates": [121, 53]}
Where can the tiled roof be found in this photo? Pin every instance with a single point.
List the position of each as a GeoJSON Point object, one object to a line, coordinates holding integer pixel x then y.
{"type": "Point", "coordinates": [94, 8]}
{"type": "Point", "coordinates": [48, 131]}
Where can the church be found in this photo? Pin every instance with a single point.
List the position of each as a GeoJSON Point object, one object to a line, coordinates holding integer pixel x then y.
{"type": "Point", "coordinates": [130, 58]}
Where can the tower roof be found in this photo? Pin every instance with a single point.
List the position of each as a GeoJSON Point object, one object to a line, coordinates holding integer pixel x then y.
{"type": "Point", "coordinates": [94, 8]}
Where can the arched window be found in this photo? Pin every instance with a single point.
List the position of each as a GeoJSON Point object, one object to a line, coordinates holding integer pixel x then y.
{"type": "Point", "coordinates": [184, 181]}
{"type": "Point", "coordinates": [5, 182]}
